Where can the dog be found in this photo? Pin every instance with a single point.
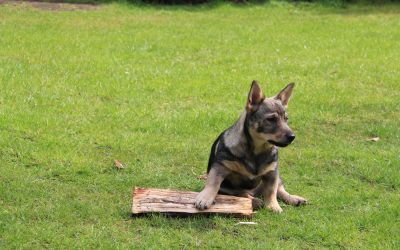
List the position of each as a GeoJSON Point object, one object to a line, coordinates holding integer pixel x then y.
{"type": "Point", "coordinates": [244, 158]}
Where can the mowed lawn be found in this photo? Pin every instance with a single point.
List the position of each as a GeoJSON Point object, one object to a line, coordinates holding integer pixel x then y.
{"type": "Point", "coordinates": [154, 86]}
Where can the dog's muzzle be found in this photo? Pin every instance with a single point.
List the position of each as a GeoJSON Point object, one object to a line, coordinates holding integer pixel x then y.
{"type": "Point", "coordinates": [289, 138]}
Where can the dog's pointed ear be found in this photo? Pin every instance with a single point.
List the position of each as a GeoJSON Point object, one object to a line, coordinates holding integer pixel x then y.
{"type": "Point", "coordinates": [256, 96]}
{"type": "Point", "coordinates": [285, 94]}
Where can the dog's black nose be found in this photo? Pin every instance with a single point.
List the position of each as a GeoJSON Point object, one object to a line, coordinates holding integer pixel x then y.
{"type": "Point", "coordinates": [290, 137]}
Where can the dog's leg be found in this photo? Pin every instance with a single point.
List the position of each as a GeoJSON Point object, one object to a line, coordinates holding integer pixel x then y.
{"type": "Point", "coordinates": [293, 200]}
{"type": "Point", "coordinates": [270, 189]}
{"type": "Point", "coordinates": [214, 179]}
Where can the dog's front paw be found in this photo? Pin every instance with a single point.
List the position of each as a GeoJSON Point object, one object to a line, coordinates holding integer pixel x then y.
{"type": "Point", "coordinates": [295, 200]}
{"type": "Point", "coordinates": [204, 200]}
{"type": "Point", "coordinates": [274, 206]}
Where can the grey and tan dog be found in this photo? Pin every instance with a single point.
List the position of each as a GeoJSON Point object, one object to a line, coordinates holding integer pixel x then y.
{"type": "Point", "coordinates": [244, 158]}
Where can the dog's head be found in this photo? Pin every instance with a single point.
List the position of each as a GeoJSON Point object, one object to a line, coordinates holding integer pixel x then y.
{"type": "Point", "coordinates": [267, 119]}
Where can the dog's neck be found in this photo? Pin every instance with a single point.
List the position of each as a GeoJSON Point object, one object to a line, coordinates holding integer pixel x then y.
{"type": "Point", "coordinates": [261, 147]}
{"type": "Point", "coordinates": [241, 142]}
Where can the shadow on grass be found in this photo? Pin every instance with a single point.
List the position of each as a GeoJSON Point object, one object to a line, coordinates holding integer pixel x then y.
{"type": "Point", "coordinates": [197, 222]}
{"type": "Point", "coordinates": [321, 7]}
{"type": "Point", "coordinates": [239, 3]}
{"type": "Point", "coordinates": [188, 5]}
{"type": "Point", "coordinates": [155, 3]}
{"type": "Point", "coordinates": [159, 2]}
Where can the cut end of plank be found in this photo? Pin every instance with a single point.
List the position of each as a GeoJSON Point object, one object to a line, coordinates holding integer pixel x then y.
{"type": "Point", "coordinates": [152, 200]}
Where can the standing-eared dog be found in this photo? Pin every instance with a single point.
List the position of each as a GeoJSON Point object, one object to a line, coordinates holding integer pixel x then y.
{"type": "Point", "coordinates": [244, 158]}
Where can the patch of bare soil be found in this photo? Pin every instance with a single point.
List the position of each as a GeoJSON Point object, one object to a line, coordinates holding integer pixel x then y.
{"type": "Point", "coordinates": [52, 6]}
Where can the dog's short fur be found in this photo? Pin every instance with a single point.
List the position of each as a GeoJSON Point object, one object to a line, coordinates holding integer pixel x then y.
{"type": "Point", "coordinates": [244, 158]}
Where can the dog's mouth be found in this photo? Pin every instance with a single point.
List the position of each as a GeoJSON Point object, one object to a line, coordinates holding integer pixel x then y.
{"type": "Point", "coordinates": [279, 144]}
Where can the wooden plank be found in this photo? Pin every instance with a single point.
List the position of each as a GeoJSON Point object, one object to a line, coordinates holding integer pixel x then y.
{"type": "Point", "coordinates": [152, 200]}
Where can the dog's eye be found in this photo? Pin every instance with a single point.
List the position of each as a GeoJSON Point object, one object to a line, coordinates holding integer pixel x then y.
{"type": "Point", "coordinates": [271, 119]}
{"type": "Point", "coordinates": [286, 117]}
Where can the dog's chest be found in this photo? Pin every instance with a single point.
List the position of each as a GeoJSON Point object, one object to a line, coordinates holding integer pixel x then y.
{"type": "Point", "coordinates": [252, 168]}
{"type": "Point", "coordinates": [257, 169]}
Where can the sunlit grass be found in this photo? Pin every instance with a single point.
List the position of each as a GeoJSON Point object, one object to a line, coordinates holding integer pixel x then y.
{"type": "Point", "coordinates": [154, 86]}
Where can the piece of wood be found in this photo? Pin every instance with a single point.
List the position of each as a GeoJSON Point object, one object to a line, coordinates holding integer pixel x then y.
{"type": "Point", "coordinates": [151, 200]}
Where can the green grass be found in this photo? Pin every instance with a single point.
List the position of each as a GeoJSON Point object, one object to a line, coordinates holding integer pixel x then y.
{"type": "Point", "coordinates": [154, 86]}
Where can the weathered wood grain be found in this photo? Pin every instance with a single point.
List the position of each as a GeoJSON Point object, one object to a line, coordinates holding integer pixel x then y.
{"type": "Point", "coordinates": [151, 200]}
